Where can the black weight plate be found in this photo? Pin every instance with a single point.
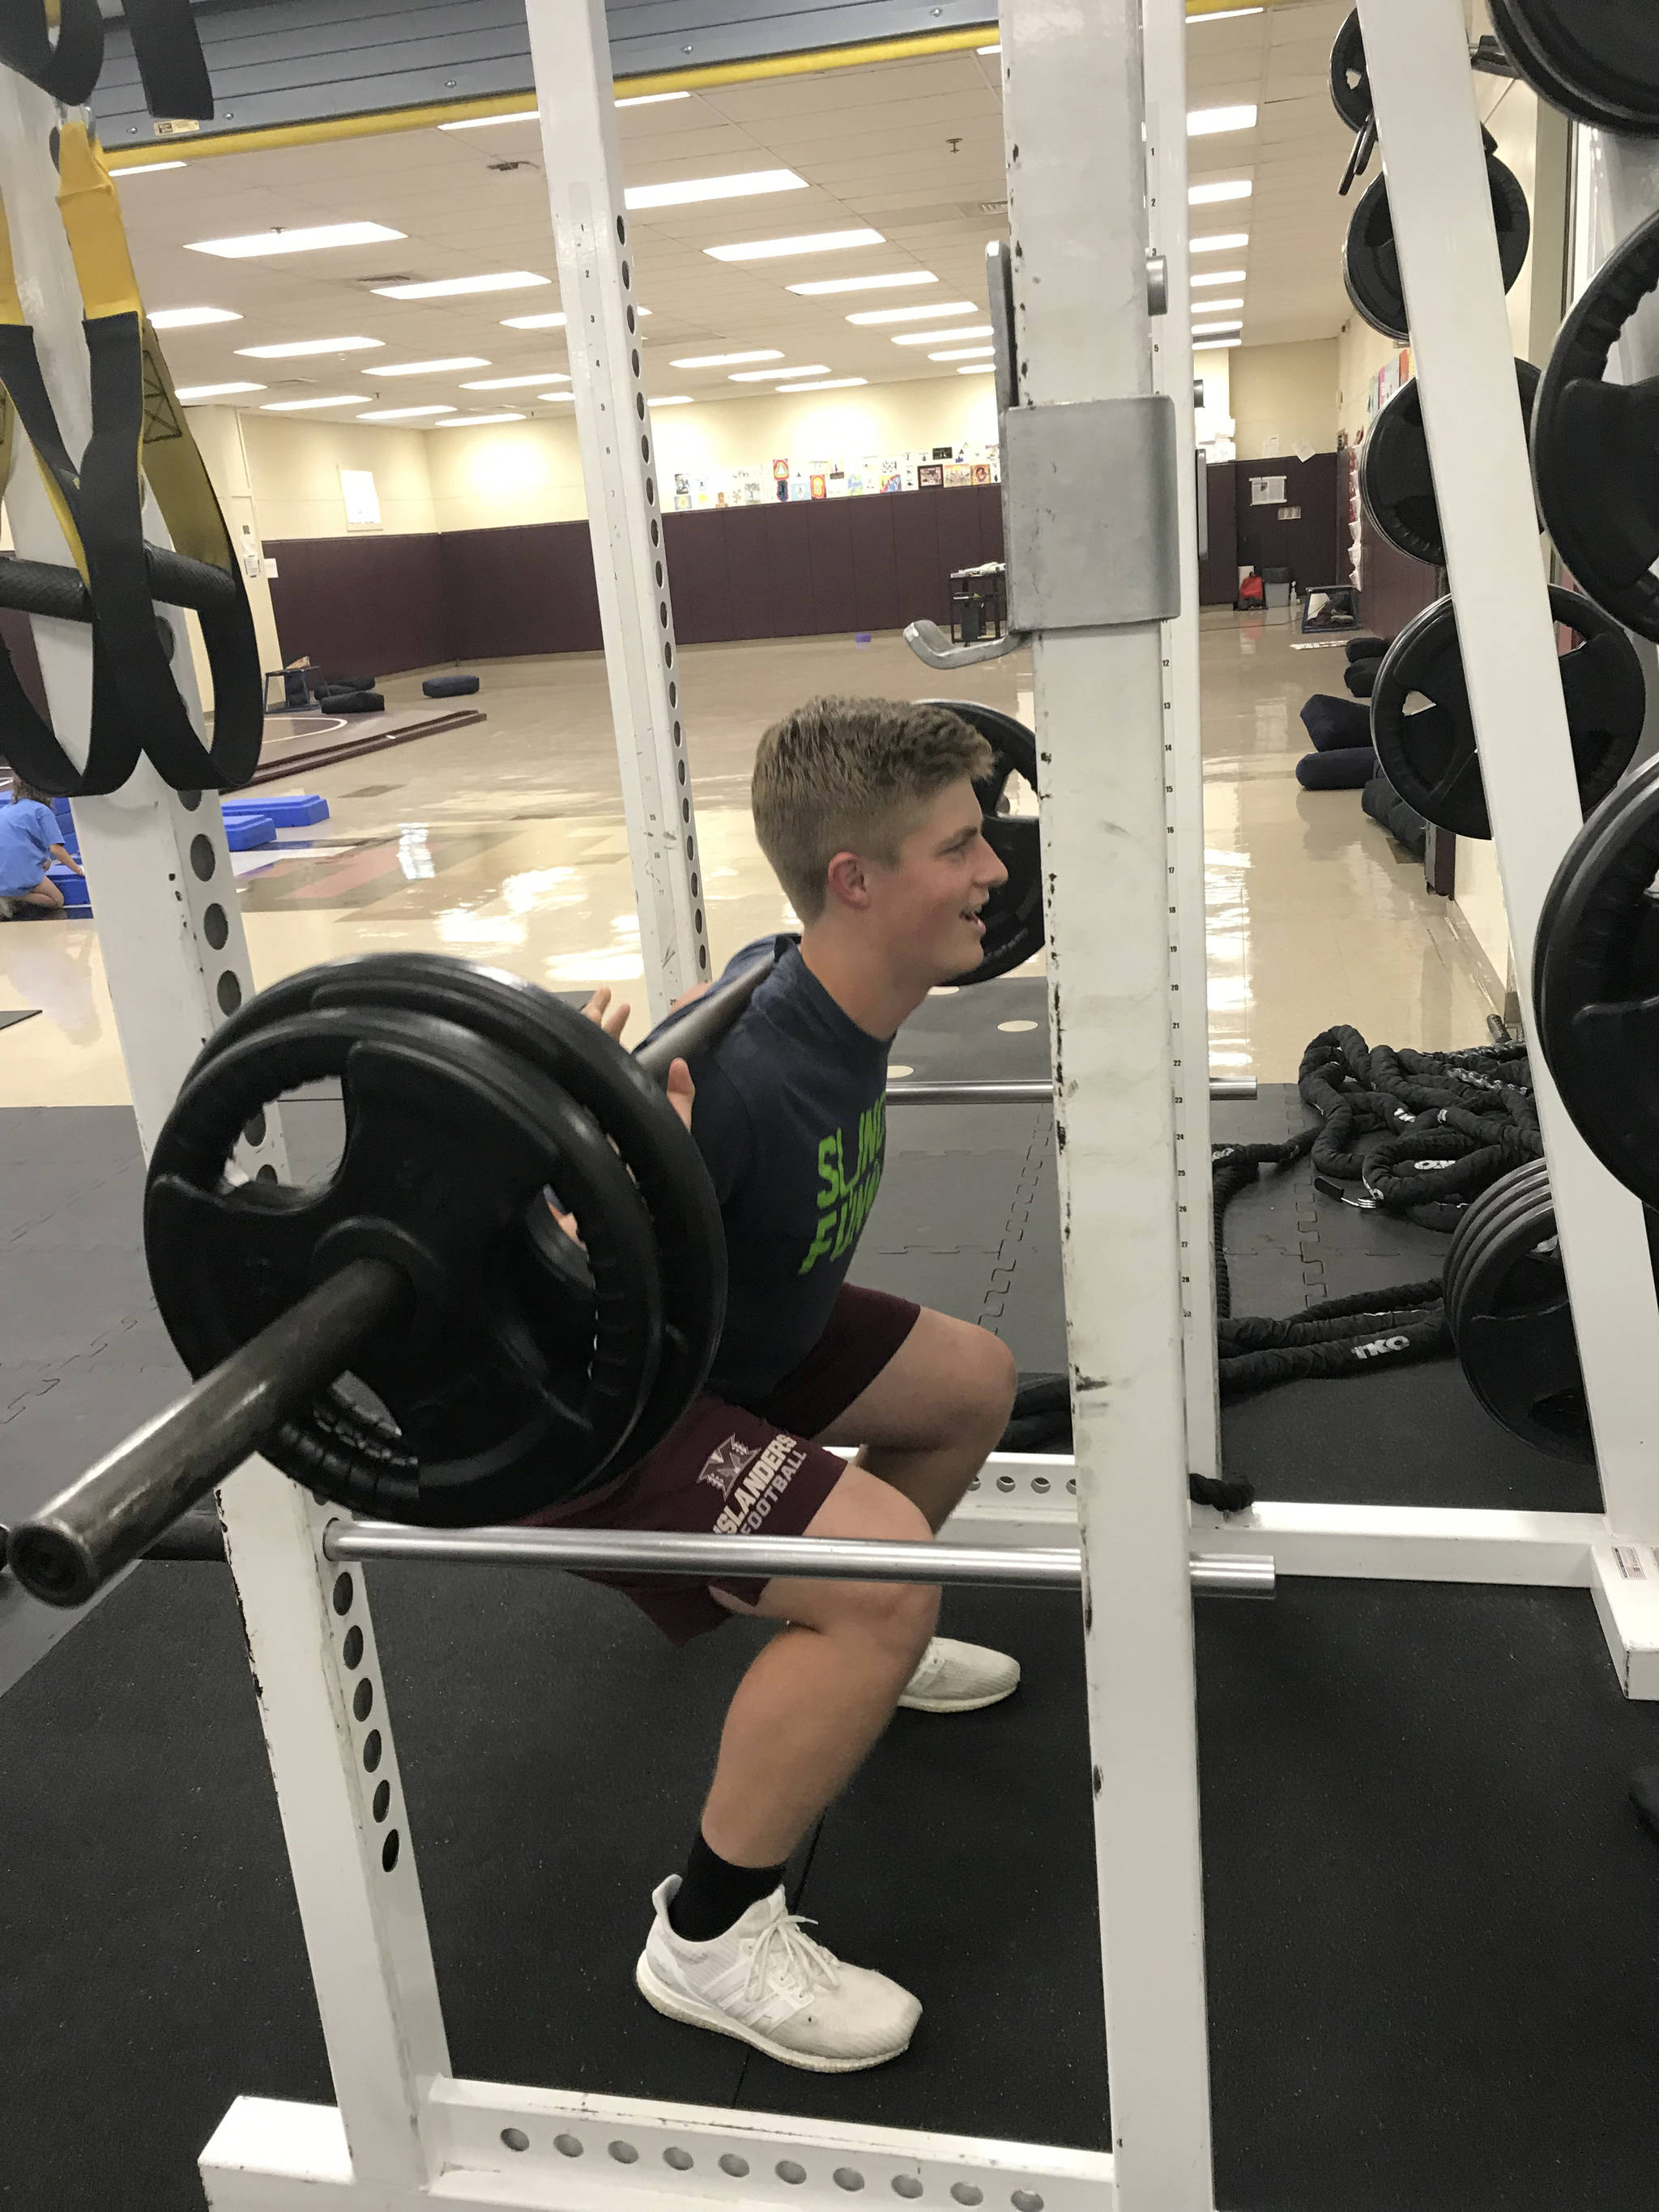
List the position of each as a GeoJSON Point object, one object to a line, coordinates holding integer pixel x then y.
{"type": "Point", "coordinates": [655, 1147]}
{"type": "Point", "coordinates": [1596, 60]}
{"type": "Point", "coordinates": [1013, 913]}
{"type": "Point", "coordinates": [449, 1139]}
{"type": "Point", "coordinates": [1370, 263]}
{"type": "Point", "coordinates": [1395, 481]}
{"type": "Point", "coordinates": [1595, 983]}
{"type": "Point", "coordinates": [1486, 1216]}
{"type": "Point", "coordinates": [1512, 1324]}
{"type": "Point", "coordinates": [1430, 756]}
{"type": "Point", "coordinates": [1595, 445]}
{"type": "Point", "coordinates": [1351, 87]}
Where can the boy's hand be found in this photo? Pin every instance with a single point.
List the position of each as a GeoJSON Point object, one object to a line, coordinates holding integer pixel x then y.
{"type": "Point", "coordinates": [681, 1091]}
{"type": "Point", "coordinates": [611, 1019]}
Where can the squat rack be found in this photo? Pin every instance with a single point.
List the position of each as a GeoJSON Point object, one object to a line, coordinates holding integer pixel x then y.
{"type": "Point", "coordinates": [1085, 207]}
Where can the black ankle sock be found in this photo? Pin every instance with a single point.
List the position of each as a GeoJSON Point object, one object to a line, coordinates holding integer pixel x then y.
{"type": "Point", "coordinates": [713, 1894]}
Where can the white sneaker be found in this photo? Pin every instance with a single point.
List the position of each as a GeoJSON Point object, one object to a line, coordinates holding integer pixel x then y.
{"type": "Point", "coordinates": [766, 1982]}
{"type": "Point", "coordinates": [960, 1678]}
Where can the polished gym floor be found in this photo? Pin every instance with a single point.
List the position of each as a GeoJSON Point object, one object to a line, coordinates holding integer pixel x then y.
{"type": "Point", "coordinates": [1432, 1920]}
{"type": "Point", "coordinates": [504, 842]}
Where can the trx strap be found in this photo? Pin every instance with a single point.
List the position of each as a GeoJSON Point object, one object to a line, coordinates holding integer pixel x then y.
{"type": "Point", "coordinates": [138, 433]}
{"type": "Point", "coordinates": [165, 45]}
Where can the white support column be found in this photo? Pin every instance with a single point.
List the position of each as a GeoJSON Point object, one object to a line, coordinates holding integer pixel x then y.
{"type": "Point", "coordinates": [1073, 109]}
{"type": "Point", "coordinates": [570, 52]}
{"type": "Point", "coordinates": [170, 931]}
{"type": "Point", "coordinates": [1418, 59]}
{"type": "Point", "coordinates": [1165, 35]}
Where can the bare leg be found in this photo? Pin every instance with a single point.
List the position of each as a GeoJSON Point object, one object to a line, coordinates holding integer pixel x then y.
{"type": "Point", "coordinates": [44, 898]}
{"type": "Point", "coordinates": [927, 1422]}
{"type": "Point", "coordinates": [819, 1695]}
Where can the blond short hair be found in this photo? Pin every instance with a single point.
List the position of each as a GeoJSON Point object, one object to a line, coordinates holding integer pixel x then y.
{"type": "Point", "coordinates": [843, 776]}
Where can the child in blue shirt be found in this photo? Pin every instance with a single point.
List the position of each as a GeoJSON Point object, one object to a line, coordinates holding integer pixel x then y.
{"type": "Point", "coordinates": [30, 841]}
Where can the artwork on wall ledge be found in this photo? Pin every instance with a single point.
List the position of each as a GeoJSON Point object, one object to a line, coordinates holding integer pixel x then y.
{"type": "Point", "coordinates": [832, 478]}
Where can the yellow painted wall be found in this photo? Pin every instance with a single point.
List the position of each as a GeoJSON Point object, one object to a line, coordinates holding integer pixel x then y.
{"type": "Point", "coordinates": [295, 466]}
{"type": "Point", "coordinates": [1287, 393]}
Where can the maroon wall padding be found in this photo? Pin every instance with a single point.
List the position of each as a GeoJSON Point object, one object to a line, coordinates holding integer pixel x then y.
{"type": "Point", "coordinates": [796, 569]}
{"type": "Point", "coordinates": [1308, 547]}
{"type": "Point", "coordinates": [1218, 577]}
{"type": "Point", "coordinates": [524, 589]}
{"type": "Point", "coordinates": [360, 606]}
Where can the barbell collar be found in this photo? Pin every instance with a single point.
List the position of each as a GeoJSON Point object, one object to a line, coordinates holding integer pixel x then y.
{"type": "Point", "coordinates": [746, 1558]}
{"type": "Point", "coordinates": [68, 1552]}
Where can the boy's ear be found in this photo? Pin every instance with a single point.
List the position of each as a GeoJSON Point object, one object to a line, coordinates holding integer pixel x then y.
{"type": "Point", "coordinates": [847, 882]}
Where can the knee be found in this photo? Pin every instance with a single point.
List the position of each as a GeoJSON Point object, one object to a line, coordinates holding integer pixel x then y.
{"type": "Point", "coordinates": [897, 1617]}
{"type": "Point", "coordinates": [989, 1384]}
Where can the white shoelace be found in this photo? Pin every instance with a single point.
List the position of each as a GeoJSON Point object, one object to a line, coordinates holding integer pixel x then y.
{"type": "Point", "coordinates": [799, 1962]}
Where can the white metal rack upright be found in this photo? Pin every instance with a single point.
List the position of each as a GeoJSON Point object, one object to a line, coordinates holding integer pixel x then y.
{"type": "Point", "coordinates": [403, 2132]}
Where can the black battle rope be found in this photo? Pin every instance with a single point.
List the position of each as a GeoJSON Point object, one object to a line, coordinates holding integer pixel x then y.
{"type": "Point", "coordinates": [139, 435]}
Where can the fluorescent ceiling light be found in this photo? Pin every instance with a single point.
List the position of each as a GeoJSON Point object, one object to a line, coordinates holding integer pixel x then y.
{"type": "Point", "coordinates": [1215, 330]}
{"type": "Point", "coordinates": [142, 168]}
{"type": "Point", "coordinates": [1220, 14]}
{"type": "Point", "coordinates": [311, 238]}
{"type": "Point", "coordinates": [765, 375]}
{"type": "Point", "coordinates": [450, 287]}
{"type": "Point", "coordinates": [817, 242]}
{"type": "Point", "coordinates": [511, 383]}
{"type": "Point", "coordinates": [402, 414]}
{"type": "Point", "coordinates": [827, 383]}
{"type": "Point", "coordinates": [484, 122]}
{"type": "Point", "coordinates": [962, 353]}
{"type": "Point", "coordinates": [978, 368]}
{"type": "Point", "coordinates": [1206, 122]}
{"type": "Point", "coordinates": [933, 338]}
{"type": "Point", "coordinates": [822, 286]}
{"type": "Point", "coordinates": [1236, 188]}
{"type": "Point", "coordinates": [672, 400]}
{"type": "Point", "coordinates": [873, 315]}
{"type": "Point", "coordinates": [724, 360]}
{"type": "Point", "coordinates": [1217, 276]}
{"type": "Point", "coordinates": [688, 188]}
{"type": "Point", "coordinates": [570, 396]}
{"type": "Point", "coordinates": [1215, 306]}
{"type": "Point", "coordinates": [189, 394]}
{"type": "Point", "coordinates": [430, 367]}
{"type": "Point", "coordinates": [651, 99]}
{"type": "Point", "coordinates": [1214, 345]}
{"type": "Point", "coordinates": [996, 49]}
{"type": "Point", "coordinates": [475, 421]}
{"type": "Point", "coordinates": [1222, 241]}
{"type": "Point", "coordinates": [190, 319]}
{"type": "Point", "coordinates": [298, 406]}
{"type": "Point", "coordinates": [296, 349]}
{"type": "Point", "coordinates": [534, 322]}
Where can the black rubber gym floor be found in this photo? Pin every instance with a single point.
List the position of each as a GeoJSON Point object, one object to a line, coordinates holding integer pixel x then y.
{"type": "Point", "coordinates": [1432, 1920]}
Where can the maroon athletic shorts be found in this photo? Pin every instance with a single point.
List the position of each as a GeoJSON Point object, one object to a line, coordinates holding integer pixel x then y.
{"type": "Point", "coordinates": [743, 1470]}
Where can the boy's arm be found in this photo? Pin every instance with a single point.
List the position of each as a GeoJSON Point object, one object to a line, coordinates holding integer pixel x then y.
{"type": "Point", "coordinates": [65, 858]}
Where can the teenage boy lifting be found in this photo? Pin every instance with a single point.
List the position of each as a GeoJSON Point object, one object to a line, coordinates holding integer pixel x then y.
{"type": "Point", "coordinates": [866, 809]}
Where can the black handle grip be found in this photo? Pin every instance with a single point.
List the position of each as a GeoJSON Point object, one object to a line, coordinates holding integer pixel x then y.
{"type": "Point", "coordinates": [66, 1552]}
{"type": "Point", "coordinates": [45, 587]}
{"type": "Point", "coordinates": [704, 1020]}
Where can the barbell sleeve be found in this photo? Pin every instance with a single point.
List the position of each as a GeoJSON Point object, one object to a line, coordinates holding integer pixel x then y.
{"type": "Point", "coordinates": [1027, 1094]}
{"type": "Point", "coordinates": [704, 1021]}
{"type": "Point", "coordinates": [818, 1558]}
{"type": "Point", "coordinates": [65, 1553]}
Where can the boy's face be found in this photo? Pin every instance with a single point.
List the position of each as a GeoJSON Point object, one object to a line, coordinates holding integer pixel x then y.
{"type": "Point", "coordinates": [928, 903]}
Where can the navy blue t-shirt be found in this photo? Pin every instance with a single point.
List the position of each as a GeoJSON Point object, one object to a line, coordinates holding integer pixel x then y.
{"type": "Point", "coordinates": [790, 1117]}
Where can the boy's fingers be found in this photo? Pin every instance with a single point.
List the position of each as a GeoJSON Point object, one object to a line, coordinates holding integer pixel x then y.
{"type": "Point", "coordinates": [682, 1092]}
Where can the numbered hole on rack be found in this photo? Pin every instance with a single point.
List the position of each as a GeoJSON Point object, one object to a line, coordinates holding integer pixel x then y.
{"type": "Point", "coordinates": [788, 2169]}
{"type": "Point", "coordinates": [973, 1482]}
{"type": "Point", "coordinates": [229, 990]}
{"type": "Point", "coordinates": [650, 492]}
{"type": "Point", "coordinates": [635, 358]}
{"type": "Point", "coordinates": [389, 1851]}
{"type": "Point", "coordinates": [731, 2164]}
{"type": "Point", "coordinates": [681, 2160]}
{"type": "Point", "coordinates": [1005, 1483]}
{"type": "Point", "coordinates": [673, 695]}
{"type": "Point", "coordinates": [1026, 2200]}
{"type": "Point", "coordinates": [1040, 1484]}
{"type": "Point", "coordinates": [621, 231]}
{"type": "Point", "coordinates": [662, 613]}
{"type": "Point", "coordinates": [848, 2177]}
{"type": "Point", "coordinates": [685, 809]}
{"type": "Point", "coordinates": [203, 858]}
{"type": "Point", "coordinates": [567, 2146]}
{"type": "Point", "coordinates": [645, 449]}
{"type": "Point", "coordinates": [190, 800]}
{"type": "Point", "coordinates": [682, 773]}
{"type": "Point", "coordinates": [967, 2192]}
{"type": "Point", "coordinates": [253, 1130]}
{"type": "Point", "coordinates": [906, 2184]}
{"type": "Point", "coordinates": [623, 2153]}
{"type": "Point", "coordinates": [660, 575]}
{"type": "Point", "coordinates": [362, 1698]}
{"type": "Point", "coordinates": [343, 1594]}
{"type": "Point", "coordinates": [1071, 1486]}
{"type": "Point", "coordinates": [639, 405]}
{"type": "Point", "coordinates": [267, 1174]}
{"type": "Point", "coordinates": [382, 1801]}
{"type": "Point", "coordinates": [372, 1750]}
{"type": "Point", "coordinates": [624, 276]}
{"type": "Point", "coordinates": [516, 2138]}
{"type": "Point", "coordinates": [656, 531]}
{"type": "Point", "coordinates": [216, 926]}
{"type": "Point", "coordinates": [352, 1649]}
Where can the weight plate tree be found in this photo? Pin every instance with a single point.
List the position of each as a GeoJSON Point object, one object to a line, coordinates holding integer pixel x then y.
{"type": "Point", "coordinates": [415, 1273]}
{"type": "Point", "coordinates": [1596, 60]}
{"type": "Point", "coordinates": [1430, 756]}
{"type": "Point", "coordinates": [1595, 445]}
{"type": "Point", "coordinates": [1013, 913]}
{"type": "Point", "coordinates": [1595, 983]}
{"type": "Point", "coordinates": [1395, 481]}
{"type": "Point", "coordinates": [1507, 1306]}
{"type": "Point", "coordinates": [1370, 266]}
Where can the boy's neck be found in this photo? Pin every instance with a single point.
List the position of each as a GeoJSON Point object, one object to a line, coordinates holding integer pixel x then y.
{"type": "Point", "coordinates": [867, 993]}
